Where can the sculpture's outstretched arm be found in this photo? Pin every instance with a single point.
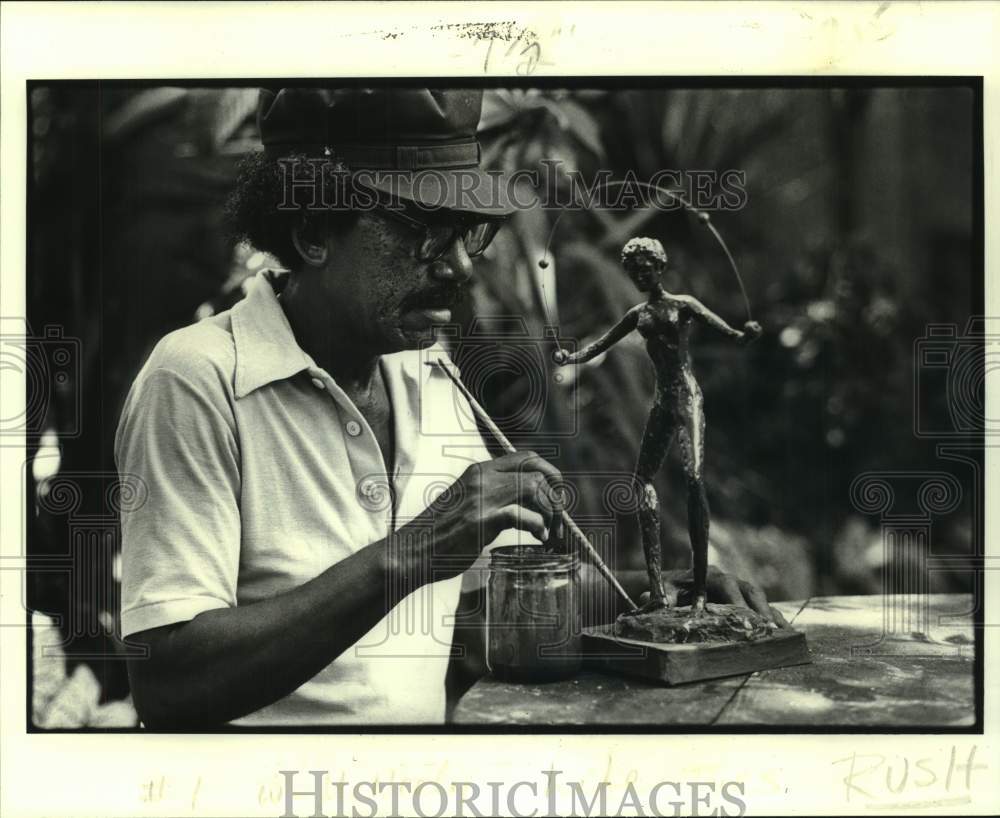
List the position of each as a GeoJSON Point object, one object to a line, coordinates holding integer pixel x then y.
{"type": "Point", "coordinates": [606, 341]}
{"type": "Point", "coordinates": [751, 329]}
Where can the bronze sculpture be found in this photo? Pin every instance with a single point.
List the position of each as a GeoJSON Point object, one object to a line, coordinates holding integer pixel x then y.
{"type": "Point", "coordinates": [665, 321]}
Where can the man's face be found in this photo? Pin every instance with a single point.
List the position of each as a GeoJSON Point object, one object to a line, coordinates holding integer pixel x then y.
{"type": "Point", "coordinates": [376, 289]}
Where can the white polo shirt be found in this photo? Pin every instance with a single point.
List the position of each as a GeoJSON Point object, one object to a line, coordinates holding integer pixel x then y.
{"type": "Point", "coordinates": [261, 474]}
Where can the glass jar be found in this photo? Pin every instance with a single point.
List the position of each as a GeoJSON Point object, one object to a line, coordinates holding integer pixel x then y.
{"type": "Point", "coordinates": [533, 621]}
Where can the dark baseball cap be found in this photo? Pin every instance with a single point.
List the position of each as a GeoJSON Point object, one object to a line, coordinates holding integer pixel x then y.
{"type": "Point", "coordinates": [416, 143]}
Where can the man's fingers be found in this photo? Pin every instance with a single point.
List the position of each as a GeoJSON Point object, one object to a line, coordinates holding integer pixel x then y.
{"type": "Point", "coordinates": [524, 519]}
{"type": "Point", "coordinates": [549, 499]}
{"type": "Point", "coordinates": [533, 492]}
{"type": "Point", "coordinates": [727, 590]}
{"type": "Point", "coordinates": [757, 601]}
{"type": "Point", "coordinates": [534, 488]}
{"type": "Point", "coordinates": [539, 483]}
{"type": "Point", "coordinates": [680, 576]}
{"type": "Point", "coordinates": [519, 461]}
{"type": "Point", "coordinates": [780, 619]}
{"type": "Point", "coordinates": [525, 462]}
{"type": "Point", "coordinates": [755, 598]}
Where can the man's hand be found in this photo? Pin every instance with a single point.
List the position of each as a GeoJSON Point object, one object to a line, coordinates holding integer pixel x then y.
{"type": "Point", "coordinates": [722, 588]}
{"type": "Point", "coordinates": [560, 356]}
{"type": "Point", "coordinates": [513, 491]}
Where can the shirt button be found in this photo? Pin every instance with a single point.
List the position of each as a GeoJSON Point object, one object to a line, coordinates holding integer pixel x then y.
{"type": "Point", "coordinates": [353, 428]}
{"type": "Point", "coordinates": [318, 383]}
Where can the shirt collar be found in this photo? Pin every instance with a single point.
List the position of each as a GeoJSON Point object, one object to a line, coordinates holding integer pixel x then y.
{"type": "Point", "coordinates": [266, 349]}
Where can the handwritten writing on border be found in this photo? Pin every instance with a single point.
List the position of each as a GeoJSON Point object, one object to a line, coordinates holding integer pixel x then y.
{"type": "Point", "coordinates": [874, 776]}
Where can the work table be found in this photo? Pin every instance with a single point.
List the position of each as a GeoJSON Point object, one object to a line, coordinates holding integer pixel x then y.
{"type": "Point", "coordinates": [906, 678]}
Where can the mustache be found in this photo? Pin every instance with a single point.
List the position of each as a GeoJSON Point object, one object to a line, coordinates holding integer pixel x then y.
{"type": "Point", "coordinates": [445, 296]}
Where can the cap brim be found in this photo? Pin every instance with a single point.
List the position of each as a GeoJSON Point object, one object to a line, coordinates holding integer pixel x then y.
{"type": "Point", "coordinates": [470, 190]}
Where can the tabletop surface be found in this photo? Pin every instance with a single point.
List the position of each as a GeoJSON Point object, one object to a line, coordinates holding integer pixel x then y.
{"type": "Point", "coordinates": [877, 661]}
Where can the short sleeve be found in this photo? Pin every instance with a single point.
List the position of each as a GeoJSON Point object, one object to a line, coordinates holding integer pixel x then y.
{"type": "Point", "coordinates": [181, 546]}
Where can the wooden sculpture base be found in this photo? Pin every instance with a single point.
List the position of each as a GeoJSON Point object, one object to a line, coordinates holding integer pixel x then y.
{"type": "Point", "coordinates": [678, 662]}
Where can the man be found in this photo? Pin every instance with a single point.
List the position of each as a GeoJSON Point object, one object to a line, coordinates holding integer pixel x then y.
{"type": "Point", "coordinates": [295, 561]}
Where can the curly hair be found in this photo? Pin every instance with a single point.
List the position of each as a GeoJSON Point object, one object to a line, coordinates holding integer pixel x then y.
{"type": "Point", "coordinates": [257, 210]}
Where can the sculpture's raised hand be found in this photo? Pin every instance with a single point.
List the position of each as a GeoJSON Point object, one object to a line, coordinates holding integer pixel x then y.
{"type": "Point", "coordinates": [751, 331]}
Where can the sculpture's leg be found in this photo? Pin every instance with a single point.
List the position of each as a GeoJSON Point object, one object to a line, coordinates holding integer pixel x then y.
{"type": "Point", "coordinates": [692, 445]}
{"type": "Point", "coordinates": [649, 524]}
{"type": "Point", "coordinates": [656, 440]}
{"type": "Point", "coordinates": [698, 522]}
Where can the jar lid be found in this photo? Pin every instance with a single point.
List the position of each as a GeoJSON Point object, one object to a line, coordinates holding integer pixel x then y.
{"type": "Point", "coordinates": [531, 558]}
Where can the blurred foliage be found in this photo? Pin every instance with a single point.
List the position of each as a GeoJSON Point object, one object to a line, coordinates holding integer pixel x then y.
{"type": "Point", "coordinates": [855, 235]}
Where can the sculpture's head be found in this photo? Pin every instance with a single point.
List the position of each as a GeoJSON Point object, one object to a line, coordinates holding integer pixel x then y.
{"type": "Point", "coordinates": [644, 260]}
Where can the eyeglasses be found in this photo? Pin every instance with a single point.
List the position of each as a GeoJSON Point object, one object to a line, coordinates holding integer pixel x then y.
{"type": "Point", "coordinates": [476, 232]}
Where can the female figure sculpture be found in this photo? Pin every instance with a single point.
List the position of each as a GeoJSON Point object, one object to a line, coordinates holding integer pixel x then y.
{"type": "Point", "coordinates": [665, 321]}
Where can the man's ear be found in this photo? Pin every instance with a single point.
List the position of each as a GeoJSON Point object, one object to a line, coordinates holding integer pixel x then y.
{"type": "Point", "coordinates": [312, 252]}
